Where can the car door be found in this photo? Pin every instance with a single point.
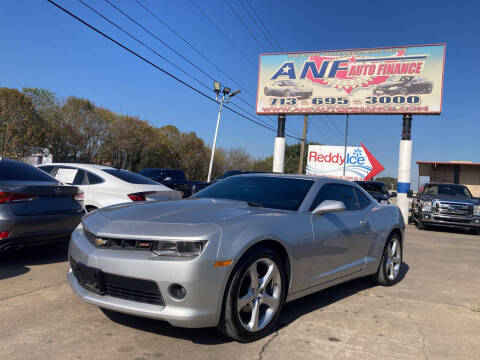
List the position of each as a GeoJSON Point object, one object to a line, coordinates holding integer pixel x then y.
{"type": "Point", "coordinates": [341, 239]}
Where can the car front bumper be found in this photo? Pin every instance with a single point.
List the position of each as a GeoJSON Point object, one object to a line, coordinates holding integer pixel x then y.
{"type": "Point", "coordinates": [203, 282]}
{"type": "Point", "coordinates": [449, 221]}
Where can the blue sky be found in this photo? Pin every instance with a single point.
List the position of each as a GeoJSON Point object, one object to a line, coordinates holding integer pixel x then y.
{"type": "Point", "coordinates": [43, 47]}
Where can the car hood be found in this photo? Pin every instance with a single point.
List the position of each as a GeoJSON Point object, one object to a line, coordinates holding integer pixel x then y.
{"type": "Point", "coordinates": [463, 200]}
{"type": "Point", "coordinates": [181, 218]}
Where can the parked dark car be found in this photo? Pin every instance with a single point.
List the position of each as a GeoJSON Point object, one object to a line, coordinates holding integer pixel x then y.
{"type": "Point", "coordinates": [174, 179]}
{"type": "Point", "coordinates": [449, 205]}
{"type": "Point", "coordinates": [229, 173]}
{"type": "Point", "coordinates": [288, 88]}
{"type": "Point", "coordinates": [34, 207]}
{"type": "Point", "coordinates": [378, 190]}
{"type": "Point", "coordinates": [404, 85]}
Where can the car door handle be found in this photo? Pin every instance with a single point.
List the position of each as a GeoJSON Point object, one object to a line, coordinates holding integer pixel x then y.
{"type": "Point", "coordinates": [364, 222]}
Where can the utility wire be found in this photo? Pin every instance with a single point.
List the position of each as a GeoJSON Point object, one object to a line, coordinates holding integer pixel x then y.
{"type": "Point", "coordinates": [245, 25]}
{"type": "Point", "coordinates": [154, 65]}
{"type": "Point", "coordinates": [263, 24]}
{"type": "Point", "coordinates": [155, 52]}
{"type": "Point", "coordinates": [258, 25]}
{"type": "Point", "coordinates": [224, 35]}
{"type": "Point", "coordinates": [197, 51]}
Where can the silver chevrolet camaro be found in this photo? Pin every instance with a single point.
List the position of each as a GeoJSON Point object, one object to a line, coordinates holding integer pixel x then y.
{"type": "Point", "coordinates": [235, 252]}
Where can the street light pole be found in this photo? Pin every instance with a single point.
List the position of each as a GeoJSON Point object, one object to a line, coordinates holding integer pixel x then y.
{"type": "Point", "coordinates": [215, 139]}
{"type": "Point", "coordinates": [345, 150]}
{"type": "Point", "coordinates": [225, 98]}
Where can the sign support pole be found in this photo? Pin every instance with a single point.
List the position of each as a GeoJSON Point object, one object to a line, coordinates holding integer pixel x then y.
{"type": "Point", "coordinates": [279, 147]}
{"type": "Point", "coordinates": [404, 166]}
{"type": "Point", "coordinates": [302, 145]}
{"type": "Point", "coordinates": [345, 152]}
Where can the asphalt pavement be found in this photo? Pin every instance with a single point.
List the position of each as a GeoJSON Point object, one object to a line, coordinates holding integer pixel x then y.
{"type": "Point", "coordinates": [434, 312]}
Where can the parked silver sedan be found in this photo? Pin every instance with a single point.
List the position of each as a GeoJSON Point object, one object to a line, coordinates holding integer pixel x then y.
{"type": "Point", "coordinates": [235, 252]}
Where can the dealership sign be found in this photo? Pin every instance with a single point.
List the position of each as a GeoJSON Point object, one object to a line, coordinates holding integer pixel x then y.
{"type": "Point", "coordinates": [359, 163]}
{"type": "Point", "coordinates": [363, 81]}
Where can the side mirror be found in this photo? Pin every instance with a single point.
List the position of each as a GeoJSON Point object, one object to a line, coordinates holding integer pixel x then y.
{"type": "Point", "coordinates": [393, 194]}
{"type": "Point", "coordinates": [410, 194]}
{"type": "Point", "coordinates": [168, 178]}
{"type": "Point", "coordinates": [329, 206]}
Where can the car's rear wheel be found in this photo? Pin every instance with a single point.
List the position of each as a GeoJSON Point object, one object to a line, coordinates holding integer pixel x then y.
{"type": "Point", "coordinates": [420, 225]}
{"type": "Point", "coordinates": [254, 296]}
{"type": "Point", "coordinates": [388, 273]}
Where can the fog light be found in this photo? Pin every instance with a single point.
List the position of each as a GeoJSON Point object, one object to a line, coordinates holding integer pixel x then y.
{"type": "Point", "coordinates": [177, 291]}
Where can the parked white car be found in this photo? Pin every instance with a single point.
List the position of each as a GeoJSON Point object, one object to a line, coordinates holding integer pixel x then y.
{"type": "Point", "coordinates": [104, 185]}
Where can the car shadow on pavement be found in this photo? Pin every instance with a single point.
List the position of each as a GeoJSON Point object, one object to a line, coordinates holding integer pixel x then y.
{"type": "Point", "coordinates": [297, 308]}
{"type": "Point", "coordinates": [291, 312]}
{"type": "Point", "coordinates": [204, 336]}
{"type": "Point", "coordinates": [17, 263]}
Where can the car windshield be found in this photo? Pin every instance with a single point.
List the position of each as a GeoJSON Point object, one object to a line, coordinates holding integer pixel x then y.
{"type": "Point", "coordinates": [446, 189]}
{"type": "Point", "coordinates": [394, 78]}
{"type": "Point", "coordinates": [290, 82]}
{"type": "Point", "coordinates": [130, 177]}
{"type": "Point", "coordinates": [265, 191]}
{"type": "Point", "coordinates": [372, 187]}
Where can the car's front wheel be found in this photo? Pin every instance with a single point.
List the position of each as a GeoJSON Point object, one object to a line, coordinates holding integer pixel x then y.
{"type": "Point", "coordinates": [388, 273]}
{"type": "Point", "coordinates": [254, 296]}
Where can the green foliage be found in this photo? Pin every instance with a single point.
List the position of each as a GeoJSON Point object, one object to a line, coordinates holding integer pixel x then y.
{"type": "Point", "coordinates": [22, 130]}
{"type": "Point", "coordinates": [76, 130]}
{"type": "Point", "coordinates": [391, 182]}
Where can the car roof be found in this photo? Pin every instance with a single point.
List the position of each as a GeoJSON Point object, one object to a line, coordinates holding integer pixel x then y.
{"type": "Point", "coordinates": [81, 166]}
{"type": "Point", "coordinates": [297, 176]}
{"type": "Point", "coordinates": [369, 182]}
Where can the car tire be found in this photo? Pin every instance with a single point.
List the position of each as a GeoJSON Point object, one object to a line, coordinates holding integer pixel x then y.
{"type": "Point", "coordinates": [420, 225]}
{"type": "Point", "coordinates": [388, 272]}
{"type": "Point", "coordinates": [241, 324]}
{"type": "Point", "coordinates": [286, 93]}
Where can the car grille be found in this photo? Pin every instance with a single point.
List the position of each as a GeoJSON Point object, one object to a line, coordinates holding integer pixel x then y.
{"type": "Point", "coordinates": [452, 208]}
{"type": "Point", "coordinates": [123, 287]}
{"type": "Point", "coordinates": [117, 244]}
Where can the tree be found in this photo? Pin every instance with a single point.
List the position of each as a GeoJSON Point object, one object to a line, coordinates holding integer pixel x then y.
{"type": "Point", "coordinates": [391, 182]}
{"type": "Point", "coordinates": [292, 155]}
{"type": "Point", "coordinates": [21, 129]}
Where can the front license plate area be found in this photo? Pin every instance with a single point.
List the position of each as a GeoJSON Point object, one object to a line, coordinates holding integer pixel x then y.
{"type": "Point", "coordinates": [91, 279]}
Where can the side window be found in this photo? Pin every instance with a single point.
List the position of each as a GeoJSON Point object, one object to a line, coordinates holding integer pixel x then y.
{"type": "Point", "coordinates": [337, 192]}
{"type": "Point", "coordinates": [80, 178]}
{"type": "Point", "coordinates": [94, 179]}
{"type": "Point", "coordinates": [363, 201]}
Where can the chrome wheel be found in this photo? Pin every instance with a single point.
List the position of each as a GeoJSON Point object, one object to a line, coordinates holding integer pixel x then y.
{"type": "Point", "coordinates": [393, 260]}
{"type": "Point", "coordinates": [259, 294]}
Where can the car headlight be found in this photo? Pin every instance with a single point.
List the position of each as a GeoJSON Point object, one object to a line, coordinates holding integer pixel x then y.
{"type": "Point", "coordinates": [179, 248]}
{"type": "Point", "coordinates": [476, 210]}
{"type": "Point", "coordinates": [426, 205]}
{"type": "Point", "coordinates": [394, 88]}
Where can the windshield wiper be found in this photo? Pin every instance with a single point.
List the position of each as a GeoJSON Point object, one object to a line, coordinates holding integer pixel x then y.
{"type": "Point", "coordinates": [254, 204]}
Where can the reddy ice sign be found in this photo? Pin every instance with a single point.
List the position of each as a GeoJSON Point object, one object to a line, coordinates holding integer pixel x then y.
{"type": "Point", "coordinates": [364, 81]}
{"type": "Point", "coordinates": [360, 164]}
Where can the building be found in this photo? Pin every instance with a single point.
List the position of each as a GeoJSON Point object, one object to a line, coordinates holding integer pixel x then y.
{"type": "Point", "coordinates": [454, 172]}
{"type": "Point", "coordinates": [43, 158]}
